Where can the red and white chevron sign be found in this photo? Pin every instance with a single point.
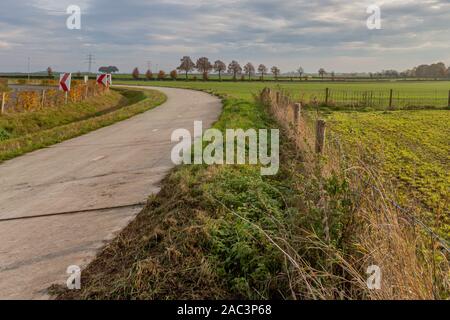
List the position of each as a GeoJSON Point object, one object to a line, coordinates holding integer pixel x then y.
{"type": "Point", "coordinates": [109, 79]}
{"type": "Point", "coordinates": [64, 81]}
{"type": "Point", "coordinates": [102, 79]}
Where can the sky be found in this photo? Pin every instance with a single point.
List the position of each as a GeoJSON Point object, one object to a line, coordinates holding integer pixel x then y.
{"type": "Point", "coordinates": [330, 34]}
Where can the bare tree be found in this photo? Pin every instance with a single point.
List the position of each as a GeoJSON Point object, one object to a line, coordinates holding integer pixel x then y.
{"type": "Point", "coordinates": [204, 66]}
{"type": "Point", "coordinates": [322, 72]}
{"type": "Point", "coordinates": [263, 70]}
{"type": "Point", "coordinates": [249, 70]}
{"type": "Point", "coordinates": [276, 72]}
{"type": "Point", "coordinates": [219, 67]}
{"type": "Point", "coordinates": [186, 65]}
{"type": "Point", "coordinates": [300, 72]}
{"type": "Point", "coordinates": [234, 68]}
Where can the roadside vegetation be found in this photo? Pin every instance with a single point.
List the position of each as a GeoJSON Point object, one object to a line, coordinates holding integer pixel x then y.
{"type": "Point", "coordinates": [24, 132]}
{"type": "Point", "coordinates": [226, 232]}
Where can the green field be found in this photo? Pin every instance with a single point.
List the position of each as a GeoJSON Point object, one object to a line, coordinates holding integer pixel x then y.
{"type": "Point", "coordinates": [413, 150]}
{"type": "Point", "coordinates": [425, 93]}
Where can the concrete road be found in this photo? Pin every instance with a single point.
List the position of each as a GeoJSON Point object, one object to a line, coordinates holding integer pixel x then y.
{"type": "Point", "coordinates": [59, 205]}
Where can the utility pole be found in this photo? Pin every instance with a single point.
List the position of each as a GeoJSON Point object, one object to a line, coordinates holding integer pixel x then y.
{"type": "Point", "coordinates": [90, 59]}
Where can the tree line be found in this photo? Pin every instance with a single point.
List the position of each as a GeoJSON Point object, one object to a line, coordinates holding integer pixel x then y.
{"type": "Point", "coordinates": [205, 67]}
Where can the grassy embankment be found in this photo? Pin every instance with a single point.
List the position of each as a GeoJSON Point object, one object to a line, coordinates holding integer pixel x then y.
{"type": "Point", "coordinates": [24, 132]}
{"type": "Point", "coordinates": [227, 232]}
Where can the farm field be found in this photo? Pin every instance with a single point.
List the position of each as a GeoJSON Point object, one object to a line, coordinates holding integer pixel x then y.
{"type": "Point", "coordinates": [413, 150]}
{"type": "Point", "coordinates": [427, 93]}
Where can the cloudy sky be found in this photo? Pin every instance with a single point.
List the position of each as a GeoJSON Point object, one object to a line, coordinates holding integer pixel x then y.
{"type": "Point", "coordinates": [320, 33]}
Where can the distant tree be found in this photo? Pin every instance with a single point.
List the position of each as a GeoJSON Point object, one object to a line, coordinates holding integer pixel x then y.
{"type": "Point", "coordinates": [174, 74]}
{"type": "Point", "coordinates": [161, 75]}
{"type": "Point", "coordinates": [50, 72]}
{"type": "Point", "coordinates": [135, 73]}
{"type": "Point", "coordinates": [234, 68]}
{"type": "Point", "coordinates": [322, 72]}
{"type": "Point", "coordinates": [219, 67]}
{"type": "Point", "coordinates": [262, 69]}
{"type": "Point", "coordinates": [78, 74]}
{"type": "Point", "coordinates": [300, 72]}
{"type": "Point", "coordinates": [204, 66]}
{"type": "Point", "coordinates": [149, 74]}
{"type": "Point", "coordinates": [333, 75]}
{"type": "Point", "coordinates": [276, 72]}
{"type": "Point", "coordinates": [249, 70]}
{"type": "Point", "coordinates": [435, 70]}
{"type": "Point", "coordinates": [186, 65]}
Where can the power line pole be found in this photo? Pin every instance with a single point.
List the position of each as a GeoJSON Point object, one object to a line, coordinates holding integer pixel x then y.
{"type": "Point", "coordinates": [90, 59]}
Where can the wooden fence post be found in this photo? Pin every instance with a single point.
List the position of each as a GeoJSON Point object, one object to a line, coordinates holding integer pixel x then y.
{"type": "Point", "coordinates": [278, 97]}
{"type": "Point", "coordinates": [297, 112]}
{"type": "Point", "coordinates": [390, 98]}
{"type": "Point", "coordinates": [320, 136]}
{"type": "Point", "coordinates": [43, 98]}
{"type": "Point", "coordinates": [327, 94]}
{"type": "Point", "coordinates": [2, 110]}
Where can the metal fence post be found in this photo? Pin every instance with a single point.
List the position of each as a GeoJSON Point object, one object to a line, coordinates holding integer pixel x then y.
{"type": "Point", "coordinates": [390, 98]}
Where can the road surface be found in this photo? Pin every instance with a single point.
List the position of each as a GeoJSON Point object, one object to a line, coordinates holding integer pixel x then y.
{"type": "Point", "coordinates": [59, 205]}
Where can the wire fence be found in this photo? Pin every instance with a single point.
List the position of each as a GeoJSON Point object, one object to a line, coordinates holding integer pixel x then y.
{"type": "Point", "coordinates": [377, 99]}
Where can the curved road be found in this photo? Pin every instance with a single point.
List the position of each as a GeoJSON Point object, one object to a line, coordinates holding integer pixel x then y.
{"type": "Point", "coordinates": [59, 205]}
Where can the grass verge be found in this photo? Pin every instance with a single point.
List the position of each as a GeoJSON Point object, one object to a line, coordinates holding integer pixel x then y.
{"type": "Point", "coordinates": [22, 133]}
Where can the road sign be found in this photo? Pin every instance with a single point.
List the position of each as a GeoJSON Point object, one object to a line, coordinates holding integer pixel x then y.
{"type": "Point", "coordinates": [109, 79]}
{"type": "Point", "coordinates": [102, 79]}
{"type": "Point", "coordinates": [64, 81]}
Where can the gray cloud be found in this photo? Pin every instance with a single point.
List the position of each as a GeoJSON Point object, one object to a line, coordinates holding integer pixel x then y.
{"type": "Point", "coordinates": [322, 33]}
